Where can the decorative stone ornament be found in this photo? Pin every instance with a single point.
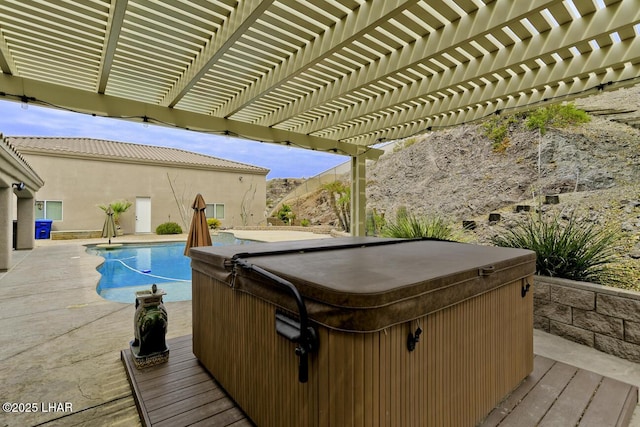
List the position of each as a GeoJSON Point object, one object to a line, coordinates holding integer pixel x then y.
{"type": "Point", "coordinates": [149, 348]}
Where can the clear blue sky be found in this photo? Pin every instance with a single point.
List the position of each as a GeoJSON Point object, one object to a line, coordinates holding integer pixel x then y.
{"type": "Point", "coordinates": [283, 162]}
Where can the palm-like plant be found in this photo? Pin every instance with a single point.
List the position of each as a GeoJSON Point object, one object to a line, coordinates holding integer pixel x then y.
{"type": "Point", "coordinates": [118, 207]}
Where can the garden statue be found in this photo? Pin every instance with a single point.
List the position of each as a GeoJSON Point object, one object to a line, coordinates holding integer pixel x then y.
{"type": "Point", "coordinates": [149, 347]}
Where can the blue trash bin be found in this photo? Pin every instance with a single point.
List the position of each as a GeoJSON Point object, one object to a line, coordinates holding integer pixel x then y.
{"type": "Point", "coordinates": [43, 228]}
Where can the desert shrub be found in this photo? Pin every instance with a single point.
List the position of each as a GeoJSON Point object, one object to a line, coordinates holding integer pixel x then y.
{"type": "Point", "coordinates": [412, 226]}
{"type": "Point", "coordinates": [213, 223]}
{"type": "Point", "coordinates": [497, 129]}
{"type": "Point", "coordinates": [556, 115]}
{"type": "Point", "coordinates": [286, 214]}
{"type": "Point", "coordinates": [168, 228]}
{"type": "Point", "coordinates": [375, 223]}
{"type": "Point", "coordinates": [305, 222]}
{"type": "Point", "coordinates": [567, 249]}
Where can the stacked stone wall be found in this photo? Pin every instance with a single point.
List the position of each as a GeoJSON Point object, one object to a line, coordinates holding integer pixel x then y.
{"type": "Point", "coordinates": [601, 317]}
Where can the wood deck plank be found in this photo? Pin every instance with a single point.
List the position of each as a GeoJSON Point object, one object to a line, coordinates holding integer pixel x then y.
{"type": "Point", "coordinates": [157, 388]}
{"type": "Point", "coordinates": [541, 366]}
{"type": "Point", "coordinates": [185, 405]}
{"type": "Point", "coordinates": [537, 402]}
{"type": "Point", "coordinates": [182, 393]}
{"type": "Point", "coordinates": [606, 406]}
{"type": "Point", "coordinates": [231, 417]}
{"type": "Point", "coordinates": [573, 401]}
{"type": "Point", "coordinates": [176, 395]}
{"type": "Point", "coordinates": [204, 412]}
{"type": "Point", "coordinates": [177, 365]}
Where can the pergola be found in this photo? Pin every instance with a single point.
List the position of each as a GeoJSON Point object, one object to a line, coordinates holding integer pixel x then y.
{"type": "Point", "coordinates": [326, 75]}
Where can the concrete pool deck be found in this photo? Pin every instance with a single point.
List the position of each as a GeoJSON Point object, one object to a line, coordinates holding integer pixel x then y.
{"type": "Point", "coordinates": [60, 342]}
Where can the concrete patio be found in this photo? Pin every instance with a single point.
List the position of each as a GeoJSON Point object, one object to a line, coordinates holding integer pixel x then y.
{"type": "Point", "coordinates": [60, 342]}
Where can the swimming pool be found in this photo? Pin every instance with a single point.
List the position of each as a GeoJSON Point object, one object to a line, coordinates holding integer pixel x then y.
{"type": "Point", "coordinates": [135, 267]}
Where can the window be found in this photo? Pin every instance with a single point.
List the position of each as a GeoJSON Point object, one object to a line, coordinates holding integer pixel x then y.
{"type": "Point", "coordinates": [215, 210]}
{"type": "Point", "coordinates": [49, 209]}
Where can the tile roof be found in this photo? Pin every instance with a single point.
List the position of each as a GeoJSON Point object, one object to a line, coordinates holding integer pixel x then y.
{"type": "Point", "coordinates": [99, 148]}
{"type": "Point", "coordinates": [12, 151]}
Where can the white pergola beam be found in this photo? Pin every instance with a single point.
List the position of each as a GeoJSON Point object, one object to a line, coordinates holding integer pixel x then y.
{"type": "Point", "coordinates": [111, 106]}
{"type": "Point", "coordinates": [114, 26]}
{"type": "Point", "coordinates": [7, 66]}
{"type": "Point", "coordinates": [605, 21]}
{"type": "Point", "coordinates": [500, 61]}
{"type": "Point", "coordinates": [242, 18]}
{"type": "Point", "coordinates": [616, 64]}
{"type": "Point", "coordinates": [363, 19]}
{"type": "Point", "coordinates": [456, 34]}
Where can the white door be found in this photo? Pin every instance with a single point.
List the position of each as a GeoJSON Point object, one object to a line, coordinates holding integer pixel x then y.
{"type": "Point", "coordinates": [143, 214]}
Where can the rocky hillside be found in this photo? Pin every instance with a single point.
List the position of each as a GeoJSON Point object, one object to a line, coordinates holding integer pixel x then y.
{"type": "Point", "coordinates": [457, 174]}
{"type": "Point", "coordinates": [277, 188]}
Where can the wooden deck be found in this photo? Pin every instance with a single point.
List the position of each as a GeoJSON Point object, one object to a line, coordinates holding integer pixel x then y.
{"type": "Point", "coordinates": [557, 394]}
{"type": "Point", "coordinates": [181, 393]}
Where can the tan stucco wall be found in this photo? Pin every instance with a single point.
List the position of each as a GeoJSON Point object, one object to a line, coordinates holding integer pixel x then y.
{"type": "Point", "coordinates": [82, 184]}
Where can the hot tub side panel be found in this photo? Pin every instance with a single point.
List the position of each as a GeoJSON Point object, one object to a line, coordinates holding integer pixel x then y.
{"type": "Point", "coordinates": [470, 356]}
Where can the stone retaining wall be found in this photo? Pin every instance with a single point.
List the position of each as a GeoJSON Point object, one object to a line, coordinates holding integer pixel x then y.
{"type": "Point", "coordinates": [605, 318]}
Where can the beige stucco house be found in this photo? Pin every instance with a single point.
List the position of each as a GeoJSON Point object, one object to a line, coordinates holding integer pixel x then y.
{"type": "Point", "coordinates": [161, 183]}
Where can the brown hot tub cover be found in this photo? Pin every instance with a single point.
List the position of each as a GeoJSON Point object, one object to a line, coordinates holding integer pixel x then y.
{"type": "Point", "coordinates": [360, 288]}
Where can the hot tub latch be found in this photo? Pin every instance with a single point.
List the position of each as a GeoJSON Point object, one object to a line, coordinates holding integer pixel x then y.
{"type": "Point", "coordinates": [413, 339]}
{"type": "Point", "coordinates": [525, 289]}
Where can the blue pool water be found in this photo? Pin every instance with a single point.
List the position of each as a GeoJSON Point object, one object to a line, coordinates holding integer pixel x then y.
{"type": "Point", "coordinates": [132, 268]}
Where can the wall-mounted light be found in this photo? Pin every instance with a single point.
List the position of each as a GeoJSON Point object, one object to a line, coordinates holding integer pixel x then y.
{"type": "Point", "coordinates": [19, 186]}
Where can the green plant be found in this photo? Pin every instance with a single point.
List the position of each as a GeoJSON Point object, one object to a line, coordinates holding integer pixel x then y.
{"type": "Point", "coordinates": [375, 223]}
{"type": "Point", "coordinates": [496, 129]}
{"type": "Point", "coordinates": [556, 115]}
{"type": "Point", "coordinates": [567, 249]}
{"type": "Point", "coordinates": [305, 222]}
{"type": "Point", "coordinates": [286, 214]}
{"type": "Point", "coordinates": [169, 228]}
{"type": "Point", "coordinates": [412, 226]}
{"type": "Point", "coordinates": [213, 223]}
{"type": "Point", "coordinates": [118, 207]}
{"type": "Point", "coordinates": [340, 201]}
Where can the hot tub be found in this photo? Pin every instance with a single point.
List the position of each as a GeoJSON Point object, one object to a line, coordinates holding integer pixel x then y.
{"type": "Point", "coordinates": [396, 332]}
